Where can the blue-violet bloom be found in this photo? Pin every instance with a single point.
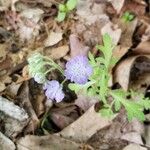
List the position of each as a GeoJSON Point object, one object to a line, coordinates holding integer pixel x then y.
{"type": "Point", "coordinates": [53, 91]}
{"type": "Point", "coordinates": [78, 69]}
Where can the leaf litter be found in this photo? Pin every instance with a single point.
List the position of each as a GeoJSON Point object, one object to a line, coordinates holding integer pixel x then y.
{"type": "Point", "coordinates": [27, 115]}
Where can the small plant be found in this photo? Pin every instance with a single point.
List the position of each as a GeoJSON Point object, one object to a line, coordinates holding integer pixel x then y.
{"type": "Point", "coordinates": [128, 17]}
{"type": "Point", "coordinates": [98, 86]}
{"type": "Point", "coordinates": [91, 76]}
{"type": "Point", "coordinates": [64, 9]}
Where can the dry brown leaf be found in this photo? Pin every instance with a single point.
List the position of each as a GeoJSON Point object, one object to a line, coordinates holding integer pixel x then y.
{"type": "Point", "coordinates": [60, 120]}
{"type": "Point", "coordinates": [89, 12]}
{"type": "Point", "coordinates": [85, 102]}
{"type": "Point", "coordinates": [134, 147]}
{"type": "Point", "coordinates": [50, 142]}
{"type": "Point", "coordinates": [138, 9]}
{"type": "Point", "coordinates": [133, 137]}
{"type": "Point", "coordinates": [143, 48]}
{"type": "Point", "coordinates": [25, 100]}
{"type": "Point", "coordinates": [117, 4]}
{"type": "Point", "coordinates": [123, 73]}
{"type": "Point", "coordinates": [3, 52]}
{"type": "Point", "coordinates": [119, 52]}
{"type": "Point", "coordinates": [84, 127]}
{"type": "Point", "coordinates": [12, 89]}
{"type": "Point", "coordinates": [113, 31]}
{"type": "Point", "coordinates": [57, 53]}
{"type": "Point", "coordinates": [77, 48]}
{"type": "Point", "coordinates": [2, 86]}
{"type": "Point", "coordinates": [127, 32]}
{"type": "Point", "coordinates": [53, 38]}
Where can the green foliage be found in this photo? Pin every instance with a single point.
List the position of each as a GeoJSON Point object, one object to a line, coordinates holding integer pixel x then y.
{"type": "Point", "coordinates": [98, 85]}
{"type": "Point", "coordinates": [64, 9]}
{"type": "Point", "coordinates": [128, 17]}
{"type": "Point", "coordinates": [40, 66]}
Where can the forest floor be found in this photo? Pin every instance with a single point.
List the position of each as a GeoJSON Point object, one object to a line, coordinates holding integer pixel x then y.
{"type": "Point", "coordinates": [28, 119]}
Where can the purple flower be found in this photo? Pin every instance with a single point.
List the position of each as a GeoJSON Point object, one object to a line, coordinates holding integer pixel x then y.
{"type": "Point", "coordinates": [54, 91]}
{"type": "Point", "coordinates": [78, 69]}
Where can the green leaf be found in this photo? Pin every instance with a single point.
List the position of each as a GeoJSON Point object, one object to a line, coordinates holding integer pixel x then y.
{"type": "Point", "coordinates": [61, 16]}
{"type": "Point", "coordinates": [62, 8]}
{"type": "Point", "coordinates": [106, 112]}
{"type": "Point", "coordinates": [71, 4]}
{"type": "Point", "coordinates": [75, 87]}
{"type": "Point", "coordinates": [134, 111]}
{"type": "Point", "coordinates": [91, 59]}
{"type": "Point", "coordinates": [91, 92]}
{"type": "Point", "coordinates": [117, 105]}
{"type": "Point", "coordinates": [145, 103]}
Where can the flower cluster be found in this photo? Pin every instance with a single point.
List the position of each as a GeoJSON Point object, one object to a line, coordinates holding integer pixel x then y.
{"type": "Point", "coordinates": [78, 69]}
{"type": "Point", "coordinates": [53, 90]}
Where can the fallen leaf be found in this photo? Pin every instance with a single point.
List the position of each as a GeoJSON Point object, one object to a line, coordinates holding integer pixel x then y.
{"type": "Point", "coordinates": [127, 32]}
{"type": "Point", "coordinates": [77, 48]}
{"type": "Point", "coordinates": [34, 14]}
{"type": "Point", "coordinates": [53, 38]}
{"type": "Point", "coordinates": [142, 48]}
{"type": "Point", "coordinates": [84, 127]}
{"type": "Point", "coordinates": [50, 142]}
{"type": "Point", "coordinates": [123, 73]}
{"type": "Point", "coordinates": [117, 4]}
{"type": "Point", "coordinates": [89, 12]}
{"type": "Point", "coordinates": [24, 98]}
{"type": "Point", "coordinates": [3, 52]}
{"type": "Point", "coordinates": [85, 102]}
{"type": "Point", "coordinates": [134, 147]}
{"type": "Point", "coordinates": [146, 134]}
{"type": "Point", "coordinates": [12, 89]}
{"type": "Point", "coordinates": [57, 53]}
{"type": "Point", "coordinates": [61, 121]}
{"type": "Point", "coordinates": [138, 9]}
{"type": "Point", "coordinates": [2, 86]}
{"type": "Point", "coordinates": [113, 31]}
{"type": "Point", "coordinates": [133, 137]}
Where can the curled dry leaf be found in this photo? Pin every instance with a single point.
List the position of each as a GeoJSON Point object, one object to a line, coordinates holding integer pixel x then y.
{"type": "Point", "coordinates": [49, 142]}
{"type": "Point", "coordinates": [113, 31]}
{"type": "Point", "coordinates": [12, 89]}
{"type": "Point", "coordinates": [25, 100]}
{"type": "Point", "coordinates": [123, 73]}
{"type": "Point", "coordinates": [127, 32]}
{"type": "Point", "coordinates": [57, 53]}
{"type": "Point", "coordinates": [84, 127]}
{"type": "Point", "coordinates": [77, 48]}
{"type": "Point", "coordinates": [53, 38]}
{"type": "Point", "coordinates": [143, 48]}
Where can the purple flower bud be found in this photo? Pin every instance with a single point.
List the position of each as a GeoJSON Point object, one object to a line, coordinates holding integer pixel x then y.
{"type": "Point", "coordinates": [78, 69]}
{"type": "Point", "coordinates": [54, 91]}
